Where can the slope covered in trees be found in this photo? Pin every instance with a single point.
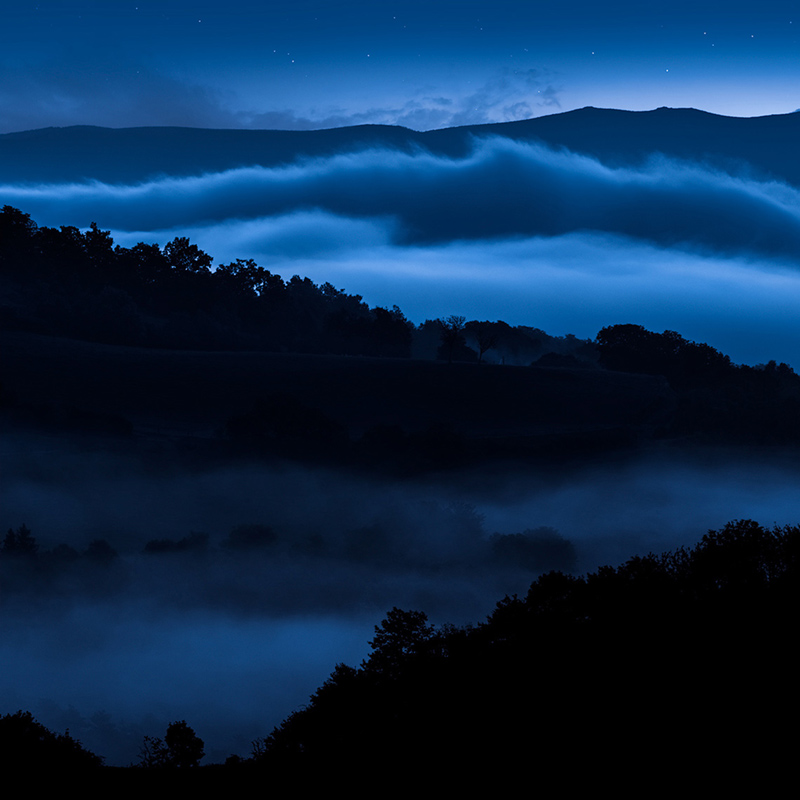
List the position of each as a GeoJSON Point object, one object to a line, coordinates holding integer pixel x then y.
{"type": "Point", "coordinates": [72, 283]}
{"type": "Point", "coordinates": [677, 662]}
{"type": "Point", "coordinates": [78, 284]}
{"type": "Point", "coordinates": [716, 399]}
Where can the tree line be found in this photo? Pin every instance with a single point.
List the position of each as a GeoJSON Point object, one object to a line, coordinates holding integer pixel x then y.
{"type": "Point", "coordinates": [715, 398]}
{"type": "Point", "coordinates": [28, 570]}
{"type": "Point", "coordinates": [68, 282]}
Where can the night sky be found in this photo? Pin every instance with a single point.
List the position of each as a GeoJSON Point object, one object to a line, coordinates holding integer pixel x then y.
{"type": "Point", "coordinates": [418, 63]}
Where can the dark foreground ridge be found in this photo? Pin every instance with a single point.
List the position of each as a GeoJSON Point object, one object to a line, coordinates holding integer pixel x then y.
{"type": "Point", "coordinates": [675, 665]}
{"type": "Point", "coordinates": [678, 659]}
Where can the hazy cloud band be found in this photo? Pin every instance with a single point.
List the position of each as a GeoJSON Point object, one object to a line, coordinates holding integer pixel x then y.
{"type": "Point", "coordinates": [503, 189]}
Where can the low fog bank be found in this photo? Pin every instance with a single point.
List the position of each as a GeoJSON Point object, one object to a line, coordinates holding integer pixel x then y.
{"type": "Point", "coordinates": [438, 521]}
{"type": "Point", "coordinates": [254, 539]}
{"type": "Point", "coordinates": [652, 505]}
{"type": "Point", "coordinates": [578, 283]}
{"type": "Point", "coordinates": [263, 578]}
{"type": "Point", "coordinates": [115, 673]}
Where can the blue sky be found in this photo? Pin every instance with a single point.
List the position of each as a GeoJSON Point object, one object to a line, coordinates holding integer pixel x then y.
{"type": "Point", "coordinates": [423, 64]}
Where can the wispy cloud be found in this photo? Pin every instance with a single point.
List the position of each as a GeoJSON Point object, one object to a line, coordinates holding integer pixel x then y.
{"type": "Point", "coordinates": [113, 91]}
{"type": "Point", "coordinates": [506, 96]}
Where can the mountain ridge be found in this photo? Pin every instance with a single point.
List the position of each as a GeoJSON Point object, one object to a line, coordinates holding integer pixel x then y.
{"type": "Point", "coordinates": [760, 146]}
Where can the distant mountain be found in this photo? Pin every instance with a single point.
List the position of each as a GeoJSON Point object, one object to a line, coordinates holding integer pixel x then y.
{"type": "Point", "coordinates": [762, 147]}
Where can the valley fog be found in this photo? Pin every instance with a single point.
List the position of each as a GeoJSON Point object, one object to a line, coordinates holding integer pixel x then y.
{"type": "Point", "coordinates": [267, 576]}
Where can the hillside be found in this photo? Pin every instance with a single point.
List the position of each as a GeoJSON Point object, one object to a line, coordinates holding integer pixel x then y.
{"type": "Point", "coordinates": [159, 342]}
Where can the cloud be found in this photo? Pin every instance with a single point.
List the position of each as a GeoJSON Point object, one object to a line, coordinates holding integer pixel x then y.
{"type": "Point", "coordinates": [303, 234]}
{"type": "Point", "coordinates": [502, 189]}
{"type": "Point", "coordinates": [511, 95]}
{"type": "Point", "coordinates": [576, 283]}
{"type": "Point", "coordinates": [232, 678]}
{"type": "Point", "coordinates": [579, 283]}
{"type": "Point", "coordinates": [507, 96]}
{"type": "Point", "coordinates": [107, 89]}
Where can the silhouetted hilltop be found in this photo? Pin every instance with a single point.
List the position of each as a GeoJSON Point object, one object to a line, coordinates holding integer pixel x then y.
{"type": "Point", "coordinates": [665, 665]}
{"type": "Point", "coordinates": [767, 144]}
{"type": "Point", "coordinates": [627, 138]}
{"type": "Point", "coordinates": [308, 371]}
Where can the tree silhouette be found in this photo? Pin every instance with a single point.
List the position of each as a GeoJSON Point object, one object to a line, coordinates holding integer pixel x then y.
{"type": "Point", "coordinates": [486, 336]}
{"type": "Point", "coordinates": [185, 257]}
{"type": "Point", "coordinates": [399, 637]}
{"type": "Point", "coordinates": [452, 335]}
{"type": "Point", "coordinates": [19, 542]}
{"type": "Point", "coordinates": [100, 551]}
{"type": "Point", "coordinates": [27, 744]}
{"type": "Point", "coordinates": [184, 745]}
{"type": "Point", "coordinates": [180, 747]}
